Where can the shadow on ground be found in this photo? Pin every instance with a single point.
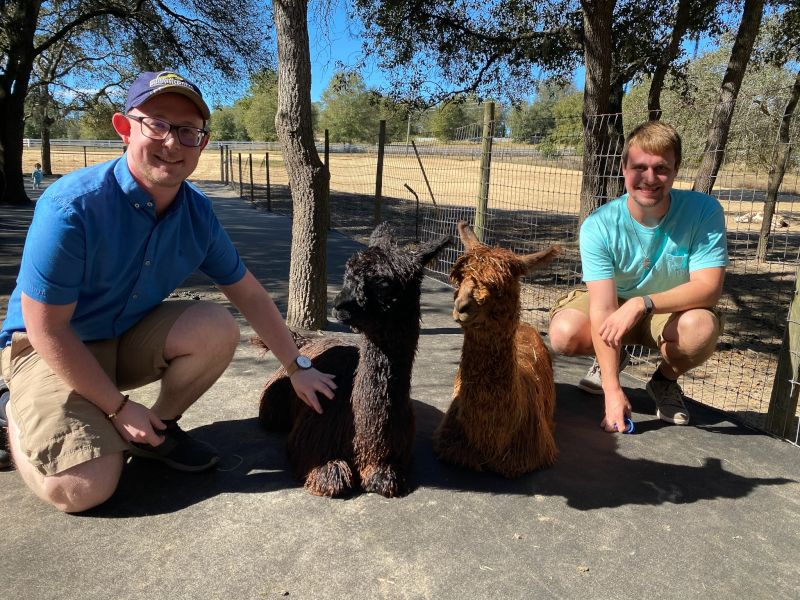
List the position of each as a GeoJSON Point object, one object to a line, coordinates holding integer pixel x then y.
{"type": "Point", "coordinates": [590, 473]}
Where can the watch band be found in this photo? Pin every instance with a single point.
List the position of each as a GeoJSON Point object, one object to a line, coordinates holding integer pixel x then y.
{"type": "Point", "coordinates": [648, 305]}
{"type": "Point", "coordinates": [300, 362]}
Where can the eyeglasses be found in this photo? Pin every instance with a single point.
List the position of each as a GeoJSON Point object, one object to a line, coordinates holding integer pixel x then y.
{"type": "Point", "coordinates": [156, 129]}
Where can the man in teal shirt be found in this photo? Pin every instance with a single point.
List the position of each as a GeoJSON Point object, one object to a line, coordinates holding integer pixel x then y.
{"type": "Point", "coordinates": [654, 264]}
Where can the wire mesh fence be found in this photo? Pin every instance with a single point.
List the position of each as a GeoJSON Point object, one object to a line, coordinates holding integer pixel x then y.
{"type": "Point", "coordinates": [533, 200]}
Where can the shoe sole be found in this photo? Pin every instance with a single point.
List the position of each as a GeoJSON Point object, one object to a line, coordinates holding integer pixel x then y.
{"type": "Point", "coordinates": [590, 390]}
{"type": "Point", "coordinates": [139, 453]}
{"type": "Point", "coordinates": [599, 391]}
{"type": "Point", "coordinates": [664, 418]}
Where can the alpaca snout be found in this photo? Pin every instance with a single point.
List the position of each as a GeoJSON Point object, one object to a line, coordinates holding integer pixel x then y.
{"type": "Point", "coordinates": [463, 310]}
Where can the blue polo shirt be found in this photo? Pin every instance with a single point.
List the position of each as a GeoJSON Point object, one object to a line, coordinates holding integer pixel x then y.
{"type": "Point", "coordinates": [95, 240]}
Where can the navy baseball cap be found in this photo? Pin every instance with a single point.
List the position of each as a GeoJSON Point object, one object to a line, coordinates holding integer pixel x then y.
{"type": "Point", "coordinates": [151, 84]}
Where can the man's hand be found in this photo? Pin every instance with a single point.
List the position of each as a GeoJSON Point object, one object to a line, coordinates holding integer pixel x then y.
{"type": "Point", "coordinates": [306, 384]}
{"type": "Point", "coordinates": [137, 423]}
{"type": "Point", "coordinates": [621, 321]}
{"type": "Point", "coordinates": [617, 408]}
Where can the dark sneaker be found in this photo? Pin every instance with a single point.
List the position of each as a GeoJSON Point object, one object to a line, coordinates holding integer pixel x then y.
{"type": "Point", "coordinates": [591, 382]}
{"type": "Point", "coordinates": [5, 457]}
{"type": "Point", "coordinates": [668, 397]}
{"type": "Point", "coordinates": [179, 450]}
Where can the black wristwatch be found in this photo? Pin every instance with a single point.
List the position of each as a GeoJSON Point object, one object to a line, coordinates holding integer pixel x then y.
{"type": "Point", "coordinates": [648, 305]}
{"type": "Point", "coordinates": [301, 362]}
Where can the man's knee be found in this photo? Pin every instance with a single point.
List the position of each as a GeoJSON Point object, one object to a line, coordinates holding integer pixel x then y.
{"type": "Point", "coordinates": [567, 335]}
{"type": "Point", "coordinates": [206, 327]}
{"type": "Point", "coordinates": [83, 486]}
{"type": "Point", "coordinates": [698, 331]}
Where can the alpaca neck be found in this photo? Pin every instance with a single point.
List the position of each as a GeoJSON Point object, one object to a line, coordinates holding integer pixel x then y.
{"type": "Point", "coordinates": [491, 351]}
{"type": "Point", "coordinates": [386, 364]}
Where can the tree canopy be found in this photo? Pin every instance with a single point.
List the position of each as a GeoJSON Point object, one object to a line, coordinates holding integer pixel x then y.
{"type": "Point", "coordinates": [70, 48]}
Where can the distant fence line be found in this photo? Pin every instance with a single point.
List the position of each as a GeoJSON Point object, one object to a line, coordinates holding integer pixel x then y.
{"type": "Point", "coordinates": [531, 199]}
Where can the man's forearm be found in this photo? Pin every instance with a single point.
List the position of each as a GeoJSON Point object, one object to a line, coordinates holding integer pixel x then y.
{"type": "Point", "coordinates": [702, 293]}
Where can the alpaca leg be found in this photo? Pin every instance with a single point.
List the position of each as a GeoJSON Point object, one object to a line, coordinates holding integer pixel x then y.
{"type": "Point", "coordinates": [333, 479]}
{"type": "Point", "coordinates": [386, 480]}
{"type": "Point", "coordinates": [450, 444]}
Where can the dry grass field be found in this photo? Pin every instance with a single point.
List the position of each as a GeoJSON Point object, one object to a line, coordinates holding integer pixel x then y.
{"type": "Point", "coordinates": [533, 202]}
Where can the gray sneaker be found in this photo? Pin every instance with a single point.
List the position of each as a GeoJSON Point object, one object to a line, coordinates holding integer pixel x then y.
{"type": "Point", "coordinates": [591, 383]}
{"type": "Point", "coordinates": [668, 397]}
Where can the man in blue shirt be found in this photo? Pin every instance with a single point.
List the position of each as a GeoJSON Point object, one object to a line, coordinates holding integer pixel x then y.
{"type": "Point", "coordinates": [654, 264]}
{"type": "Point", "coordinates": [106, 247]}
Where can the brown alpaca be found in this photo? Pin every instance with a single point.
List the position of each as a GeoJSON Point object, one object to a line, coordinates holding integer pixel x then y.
{"type": "Point", "coordinates": [502, 415]}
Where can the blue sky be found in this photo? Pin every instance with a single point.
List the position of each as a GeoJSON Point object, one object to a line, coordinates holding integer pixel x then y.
{"type": "Point", "coordinates": [331, 39]}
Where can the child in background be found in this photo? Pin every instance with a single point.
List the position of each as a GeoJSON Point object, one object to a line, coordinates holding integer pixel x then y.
{"type": "Point", "coordinates": [37, 176]}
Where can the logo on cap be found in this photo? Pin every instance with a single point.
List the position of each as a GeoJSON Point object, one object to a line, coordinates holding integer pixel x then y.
{"type": "Point", "coordinates": [168, 78]}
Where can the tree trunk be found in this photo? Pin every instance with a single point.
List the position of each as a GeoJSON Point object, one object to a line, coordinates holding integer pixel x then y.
{"type": "Point", "coordinates": [307, 307]}
{"type": "Point", "coordinates": [597, 24]}
{"type": "Point", "coordinates": [47, 123]}
{"type": "Point", "coordinates": [615, 131]}
{"type": "Point", "coordinates": [671, 51]}
{"type": "Point", "coordinates": [21, 17]}
{"type": "Point", "coordinates": [720, 126]}
{"type": "Point", "coordinates": [780, 159]}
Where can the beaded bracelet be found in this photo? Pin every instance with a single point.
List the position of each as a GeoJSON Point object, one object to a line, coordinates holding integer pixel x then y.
{"type": "Point", "coordinates": [119, 408]}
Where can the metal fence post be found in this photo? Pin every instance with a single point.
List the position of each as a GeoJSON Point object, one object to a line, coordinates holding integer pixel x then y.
{"type": "Point", "coordinates": [379, 173]}
{"type": "Point", "coordinates": [486, 166]}
{"type": "Point", "coordinates": [221, 160]}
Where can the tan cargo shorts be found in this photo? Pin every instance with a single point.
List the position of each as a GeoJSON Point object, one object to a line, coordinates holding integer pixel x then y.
{"type": "Point", "coordinates": [58, 428]}
{"type": "Point", "coordinates": [647, 332]}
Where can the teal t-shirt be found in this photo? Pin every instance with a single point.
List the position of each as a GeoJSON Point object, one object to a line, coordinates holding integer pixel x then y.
{"type": "Point", "coordinates": [646, 260]}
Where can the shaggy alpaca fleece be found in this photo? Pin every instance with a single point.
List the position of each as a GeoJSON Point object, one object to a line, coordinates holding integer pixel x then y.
{"type": "Point", "coordinates": [364, 437]}
{"type": "Point", "coordinates": [502, 415]}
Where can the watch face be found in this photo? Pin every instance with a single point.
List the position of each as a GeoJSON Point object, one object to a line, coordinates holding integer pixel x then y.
{"type": "Point", "coordinates": [303, 362]}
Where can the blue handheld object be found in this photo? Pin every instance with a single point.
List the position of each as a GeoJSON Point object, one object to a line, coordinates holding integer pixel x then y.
{"type": "Point", "coordinates": [629, 426]}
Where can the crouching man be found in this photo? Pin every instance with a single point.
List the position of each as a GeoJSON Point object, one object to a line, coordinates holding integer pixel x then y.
{"type": "Point", "coordinates": [106, 247]}
{"type": "Point", "coordinates": [654, 264]}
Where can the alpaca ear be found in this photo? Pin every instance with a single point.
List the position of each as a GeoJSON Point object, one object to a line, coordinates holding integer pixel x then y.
{"type": "Point", "coordinates": [468, 237]}
{"type": "Point", "coordinates": [426, 252]}
{"type": "Point", "coordinates": [537, 260]}
{"type": "Point", "coordinates": [382, 236]}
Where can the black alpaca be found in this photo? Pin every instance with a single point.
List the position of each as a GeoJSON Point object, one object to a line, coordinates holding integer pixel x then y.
{"type": "Point", "coordinates": [365, 434]}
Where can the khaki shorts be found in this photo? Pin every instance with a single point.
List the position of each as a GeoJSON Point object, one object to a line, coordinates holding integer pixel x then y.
{"type": "Point", "coordinates": [58, 428]}
{"type": "Point", "coordinates": [647, 332]}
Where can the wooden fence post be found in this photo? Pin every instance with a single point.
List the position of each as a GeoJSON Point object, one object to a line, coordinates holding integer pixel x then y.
{"type": "Point", "coordinates": [379, 173]}
{"type": "Point", "coordinates": [327, 182]}
{"type": "Point", "coordinates": [241, 180]}
{"type": "Point", "coordinates": [250, 162]}
{"type": "Point", "coordinates": [785, 388]}
{"type": "Point", "coordinates": [221, 160]}
{"type": "Point", "coordinates": [269, 191]}
{"type": "Point", "coordinates": [486, 167]}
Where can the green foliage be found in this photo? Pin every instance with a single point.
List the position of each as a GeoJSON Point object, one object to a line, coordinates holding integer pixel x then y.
{"type": "Point", "coordinates": [567, 132]}
{"type": "Point", "coordinates": [688, 103]}
{"type": "Point", "coordinates": [95, 122]}
{"type": "Point", "coordinates": [351, 113]}
{"type": "Point", "coordinates": [445, 121]}
{"type": "Point", "coordinates": [258, 108]}
{"type": "Point", "coordinates": [226, 124]}
{"type": "Point", "coordinates": [532, 122]}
